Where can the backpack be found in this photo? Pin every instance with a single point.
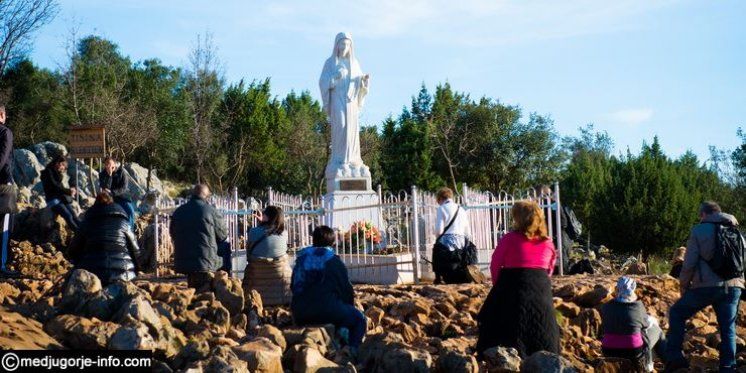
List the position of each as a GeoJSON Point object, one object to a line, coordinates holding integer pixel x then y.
{"type": "Point", "coordinates": [574, 227]}
{"type": "Point", "coordinates": [729, 258]}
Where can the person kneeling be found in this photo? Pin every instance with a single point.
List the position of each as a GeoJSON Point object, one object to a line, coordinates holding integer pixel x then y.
{"type": "Point", "coordinates": [628, 331]}
{"type": "Point", "coordinates": [322, 292]}
{"type": "Point", "coordinates": [105, 244]}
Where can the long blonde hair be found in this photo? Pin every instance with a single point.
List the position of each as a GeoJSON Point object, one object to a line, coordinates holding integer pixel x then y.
{"type": "Point", "coordinates": [528, 218]}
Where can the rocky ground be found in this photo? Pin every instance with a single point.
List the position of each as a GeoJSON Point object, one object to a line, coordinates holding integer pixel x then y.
{"type": "Point", "coordinates": [413, 328]}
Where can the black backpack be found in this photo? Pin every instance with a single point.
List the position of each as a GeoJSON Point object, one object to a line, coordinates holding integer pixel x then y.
{"type": "Point", "coordinates": [729, 259]}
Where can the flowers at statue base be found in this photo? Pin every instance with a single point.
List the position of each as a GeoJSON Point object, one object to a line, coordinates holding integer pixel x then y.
{"type": "Point", "coordinates": [362, 236]}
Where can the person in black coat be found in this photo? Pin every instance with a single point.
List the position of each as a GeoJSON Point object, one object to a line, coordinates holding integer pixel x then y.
{"type": "Point", "coordinates": [105, 245]}
{"type": "Point", "coordinates": [7, 191]}
{"type": "Point", "coordinates": [322, 292]}
{"type": "Point", "coordinates": [197, 229]}
{"type": "Point", "coordinates": [57, 194]}
{"type": "Point", "coordinates": [113, 180]}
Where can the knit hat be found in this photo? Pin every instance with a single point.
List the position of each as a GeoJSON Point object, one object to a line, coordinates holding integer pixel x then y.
{"type": "Point", "coordinates": [625, 289]}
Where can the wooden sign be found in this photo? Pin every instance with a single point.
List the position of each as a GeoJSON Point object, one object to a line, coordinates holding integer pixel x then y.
{"type": "Point", "coordinates": [87, 142]}
{"type": "Point", "coordinates": [353, 185]}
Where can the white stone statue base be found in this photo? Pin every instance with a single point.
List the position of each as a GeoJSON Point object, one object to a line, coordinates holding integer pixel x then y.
{"type": "Point", "coordinates": [348, 207]}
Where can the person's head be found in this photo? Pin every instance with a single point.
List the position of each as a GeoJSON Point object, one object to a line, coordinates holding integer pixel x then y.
{"type": "Point", "coordinates": [201, 191]}
{"type": "Point", "coordinates": [110, 165]}
{"type": "Point", "coordinates": [59, 163]}
{"type": "Point", "coordinates": [104, 198]}
{"type": "Point", "coordinates": [528, 219]}
{"type": "Point", "coordinates": [323, 236]}
{"type": "Point", "coordinates": [625, 290]}
{"type": "Point", "coordinates": [678, 254]}
{"type": "Point", "coordinates": [443, 195]}
{"type": "Point", "coordinates": [2, 114]}
{"type": "Point", "coordinates": [273, 220]}
{"type": "Point", "coordinates": [543, 191]}
{"type": "Point", "coordinates": [344, 46]}
{"type": "Point", "coordinates": [708, 208]}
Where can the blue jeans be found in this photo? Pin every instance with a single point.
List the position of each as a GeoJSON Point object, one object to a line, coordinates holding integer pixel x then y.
{"type": "Point", "coordinates": [64, 210]}
{"type": "Point", "coordinates": [724, 301]}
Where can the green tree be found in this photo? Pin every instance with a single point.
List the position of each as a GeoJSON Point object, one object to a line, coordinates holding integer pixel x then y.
{"type": "Point", "coordinates": [587, 176]}
{"type": "Point", "coordinates": [33, 105]}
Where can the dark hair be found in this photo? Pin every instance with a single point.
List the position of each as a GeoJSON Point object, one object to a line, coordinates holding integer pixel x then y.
{"type": "Point", "coordinates": [275, 223]}
{"type": "Point", "coordinates": [110, 158]}
{"type": "Point", "coordinates": [57, 160]}
{"type": "Point", "coordinates": [709, 208]}
{"type": "Point", "coordinates": [104, 198]}
{"type": "Point", "coordinates": [323, 236]}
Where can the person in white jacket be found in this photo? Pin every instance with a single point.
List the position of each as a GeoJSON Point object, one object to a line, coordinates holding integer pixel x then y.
{"type": "Point", "coordinates": [452, 228]}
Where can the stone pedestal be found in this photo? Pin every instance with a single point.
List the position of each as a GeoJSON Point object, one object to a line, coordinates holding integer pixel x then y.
{"type": "Point", "coordinates": [348, 207]}
{"type": "Point", "coordinates": [349, 191]}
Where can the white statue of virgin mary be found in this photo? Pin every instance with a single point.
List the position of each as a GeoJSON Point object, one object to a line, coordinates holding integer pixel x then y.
{"type": "Point", "coordinates": [343, 88]}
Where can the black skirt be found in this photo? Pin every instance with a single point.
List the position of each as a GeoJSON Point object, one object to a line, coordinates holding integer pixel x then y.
{"type": "Point", "coordinates": [518, 312]}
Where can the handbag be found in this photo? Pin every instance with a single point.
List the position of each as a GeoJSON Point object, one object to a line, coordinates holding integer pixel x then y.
{"type": "Point", "coordinates": [447, 264]}
{"type": "Point", "coordinates": [8, 199]}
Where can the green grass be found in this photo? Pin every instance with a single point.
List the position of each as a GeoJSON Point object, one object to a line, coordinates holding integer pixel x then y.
{"type": "Point", "coordinates": [659, 265]}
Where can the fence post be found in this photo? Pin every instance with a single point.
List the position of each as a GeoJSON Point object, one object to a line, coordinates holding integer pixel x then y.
{"type": "Point", "coordinates": [558, 226]}
{"type": "Point", "coordinates": [270, 197]}
{"type": "Point", "coordinates": [157, 230]}
{"type": "Point", "coordinates": [416, 235]}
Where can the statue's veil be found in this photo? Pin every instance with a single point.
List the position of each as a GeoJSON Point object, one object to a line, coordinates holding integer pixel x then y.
{"type": "Point", "coordinates": [330, 70]}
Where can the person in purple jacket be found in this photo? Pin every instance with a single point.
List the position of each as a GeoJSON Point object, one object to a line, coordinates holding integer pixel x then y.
{"type": "Point", "coordinates": [628, 331]}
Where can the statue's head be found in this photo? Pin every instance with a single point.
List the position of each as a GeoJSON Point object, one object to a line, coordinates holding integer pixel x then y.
{"type": "Point", "coordinates": [343, 45]}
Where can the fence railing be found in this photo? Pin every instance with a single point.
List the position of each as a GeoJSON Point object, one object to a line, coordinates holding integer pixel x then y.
{"type": "Point", "coordinates": [401, 237]}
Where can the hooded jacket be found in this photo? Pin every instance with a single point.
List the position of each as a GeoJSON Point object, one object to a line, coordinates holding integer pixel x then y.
{"type": "Point", "coordinates": [105, 244]}
{"type": "Point", "coordinates": [695, 272]}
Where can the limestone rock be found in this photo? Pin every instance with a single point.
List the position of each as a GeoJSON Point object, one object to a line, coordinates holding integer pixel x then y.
{"type": "Point", "coordinates": [141, 310]}
{"type": "Point", "coordinates": [544, 361]}
{"type": "Point", "coordinates": [27, 169]}
{"type": "Point", "coordinates": [21, 333]}
{"type": "Point", "coordinates": [81, 333]}
{"type": "Point", "coordinates": [451, 362]}
{"type": "Point", "coordinates": [589, 321]}
{"type": "Point", "coordinates": [502, 359]}
{"type": "Point", "coordinates": [193, 351]}
{"type": "Point", "coordinates": [261, 355]}
{"type": "Point", "coordinates": [594, 297]}
{"type": "Point", "coordinates": [309, 360]}
{"type": "Point", "coordinates": [229, 292]}
{"type": "Point", "coordinates": [273, 334]}
{"type": "Point", "coordinates": [614, 365]}
{"type": "Point", "coordinates": [79, 287]}
{"type": "Point", "coordinates": [406, 360]}
{"type": "Point", "coordinates": [133, 336]}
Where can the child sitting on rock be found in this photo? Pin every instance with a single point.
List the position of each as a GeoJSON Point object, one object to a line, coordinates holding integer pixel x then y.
{"type": "Point", "coordinates": [628, 331]}
{"type": "Point", "coordinates": [322, 292]}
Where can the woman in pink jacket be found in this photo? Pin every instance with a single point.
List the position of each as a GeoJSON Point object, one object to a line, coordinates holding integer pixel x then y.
{"type": "Point", "coordinates": [518, 311]}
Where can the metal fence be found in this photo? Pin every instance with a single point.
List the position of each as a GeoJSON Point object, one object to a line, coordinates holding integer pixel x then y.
{"type": "Point", "coordinates": [396, 247]}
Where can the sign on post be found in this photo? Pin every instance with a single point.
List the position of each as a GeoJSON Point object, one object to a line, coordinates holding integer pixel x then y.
{"type": "Point", "coordinates": [87, 142]}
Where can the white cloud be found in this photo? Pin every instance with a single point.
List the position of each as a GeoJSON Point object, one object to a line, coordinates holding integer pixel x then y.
{"type": "Point", "coordinates": [630, 117]}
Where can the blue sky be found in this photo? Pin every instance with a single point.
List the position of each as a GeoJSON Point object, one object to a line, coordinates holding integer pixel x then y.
{"type": "Point", "coordinates": [634, 68]}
